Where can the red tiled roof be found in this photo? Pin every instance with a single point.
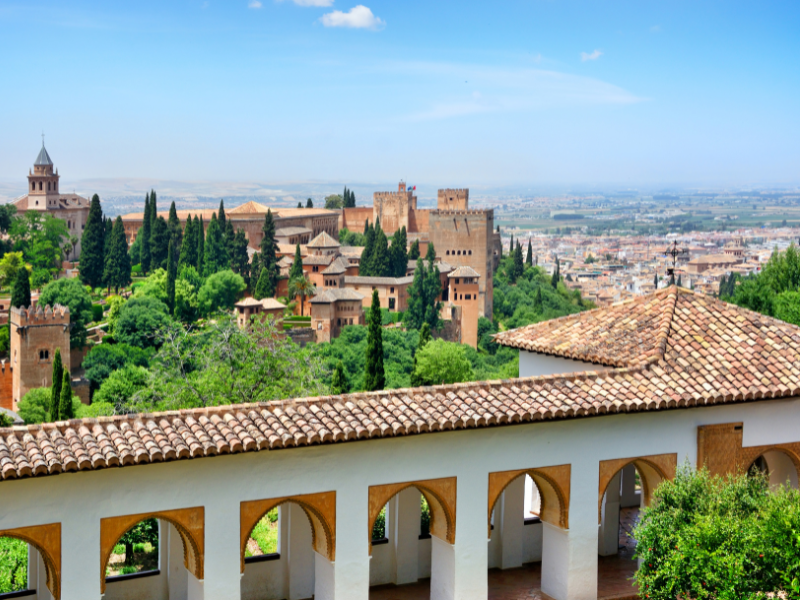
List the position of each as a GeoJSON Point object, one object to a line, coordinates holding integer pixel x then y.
{"type": "Point", "coordinates": [686, 350]}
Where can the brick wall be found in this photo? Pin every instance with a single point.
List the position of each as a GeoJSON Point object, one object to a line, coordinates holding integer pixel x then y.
{"type": "Point", "coordinates": [6, 386]}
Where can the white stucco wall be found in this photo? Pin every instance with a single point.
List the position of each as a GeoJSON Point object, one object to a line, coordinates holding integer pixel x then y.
{"type": "Point", "coordinates": [220, 484]}
{"type": "Point", "coordinates": [532, 364]}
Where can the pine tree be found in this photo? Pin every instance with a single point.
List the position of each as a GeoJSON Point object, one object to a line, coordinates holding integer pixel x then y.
{"type": "Point", "coordinates": [529, 258]}
{"type": "Point", "coordinates": [413, 252]}
{"type": "Point", "coordinates": [296, 270]}
{"type": "Point", "coordinates": [21, 290]}
{"type": "Point", "coordinates": [118, 262]}
{"type": "Point", "coordinates": [93, 246]}
{"type": "Point", "coordinates": [55, 387]}
{"type": "Point", "coordinates": [339, 383]}
{"type": "Point", "coordinates": [365, 266]}
{"type": "Point", "coordinates": [216, 257]}
{"type": "Point", "coordinates": [65, 403]}
{"type": "Point", "coordinates": [380, 266]}
{"type": "Point", "coordinates": [430, 255]}
{"type": "Point", "coordinates": [374, 377]}
{"type": "Point", "coordinates": [188, 253]}
{"type": "Point", "coordinates": [309, 203]}
{"type": "Point", "coordinates": [171, 274]}
{"type": "Point", "coordinates": [159, 244]}
{"type": "Point", "coordinates": [175, 231]}
{"type": "Point", "coordinates": [556, 275]}
{"type": "Point", "coordinates": [144, 236]}
{"type": "Point", "coordinates": [201, 245]}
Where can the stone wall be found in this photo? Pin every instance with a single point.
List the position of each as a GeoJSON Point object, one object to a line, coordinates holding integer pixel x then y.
{"type": "Point", "coordinates": [353, 219]}
{"type": "Point", "coordinates": [453, 199]}
{"type": "Point", "coordinates": [6, 386]}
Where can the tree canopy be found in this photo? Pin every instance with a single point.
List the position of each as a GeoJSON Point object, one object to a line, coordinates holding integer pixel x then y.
{"type": "Point", "coordinates": [139, 321]}
{"type": "Point", "coordinates": [220, 291]}
{"type": "Point", "coordinates": [70, 293]}
{"type": "Point", "coordinates": [439, 362]}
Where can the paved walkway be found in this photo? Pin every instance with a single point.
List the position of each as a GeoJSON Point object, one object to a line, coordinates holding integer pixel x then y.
{"type": "Point", "coordinates": [614, 576]}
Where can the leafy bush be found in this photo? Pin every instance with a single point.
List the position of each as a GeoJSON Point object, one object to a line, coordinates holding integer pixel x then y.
{"type": "Point", "coordinates": [443, 362]}
{"type": "Point", "coordinates": [4, 339]}
{"type": "Point", "coordinates": [105, 358]}
{"type": "Point", "coordinates": [721, 538]}
{"type": "Point", "coordinates": [13, 565]}
{"type": "Point", "coordinates": [34, 407]}
{"type": "Point", "coordinates": [97, 312]}
{"type": "Point", "coordinates": [379, 527]}
{"type": "Point", "coordinates": [118, 389]}
{"type": "Point", "coordinates": [220, 291]}
{"type": "Point", "coordinates": [70, 292]}
{"type": "Point", "coordinates": [139, 320]}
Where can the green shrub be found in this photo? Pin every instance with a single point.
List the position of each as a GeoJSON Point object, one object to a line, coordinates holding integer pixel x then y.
{"type": "Point", "coordinates": [379, 527]}
{"type": "Point", "coordinates": [13, 565]}
{"type": "Point", "coordinates": [4, 339]}
{"type": "Point", "coordinates": [719, 538]}
{"type": "Point", "coordinates": [97, 312]}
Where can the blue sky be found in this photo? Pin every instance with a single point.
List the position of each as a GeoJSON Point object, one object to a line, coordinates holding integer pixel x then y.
{"type": "Point", "coordinates": [449, 93]}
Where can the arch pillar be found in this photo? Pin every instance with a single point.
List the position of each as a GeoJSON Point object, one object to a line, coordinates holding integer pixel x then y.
{"type": "Point", "coordinates": [319, 508]}
{"type": "Point", "coordinates": [441, 497]}
{"type": "Point", "coordinates": [652, 471]}
{"type": "Point", "coordinates": [189, 523]}
{"type": "Point", "coordinates": [47, 540]}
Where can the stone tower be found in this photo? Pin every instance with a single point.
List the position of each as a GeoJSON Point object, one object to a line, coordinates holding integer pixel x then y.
{"type": "Point", "coordinates": [43, 183]}
{"type": "Point", "coordinates": [453, 199]}
{"type": "Point", "coordinates": [36, 333]}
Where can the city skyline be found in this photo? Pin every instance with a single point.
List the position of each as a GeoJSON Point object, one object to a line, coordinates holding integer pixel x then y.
{"type": "Point", "coordinates": [534, 93]}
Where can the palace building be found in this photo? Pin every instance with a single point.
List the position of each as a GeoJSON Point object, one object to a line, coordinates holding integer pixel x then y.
{"type": "Point", "coordinates": [45, 195]}
{"type": "Point", "coordinates": [526, 480]}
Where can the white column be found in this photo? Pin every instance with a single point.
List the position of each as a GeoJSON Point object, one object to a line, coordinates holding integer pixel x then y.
{"type": "Point", "coordinates": [608, 538]}
{"type": "Point", "coordinates": [629, 497]}
{"type": "Point", "coordinates": [172, 557]}
{"type": "Point", "coordinates": [459, 571]}
{"type": "Point", "coordinates": [222, 566]}
{"type": "Point", "coordinates": [300, 553]}
{"type": "Point", "coordinates": [37, 574]}
{"type": "Point", "coordinates": [405, 513]}
{"type": "Point", "coordinates": [80, 571]}
{"type": "Point", "coordinates": [569, 557]}
{"type": "Point", "coordinates": [348, 576]}
{"type": "Point", "coordinates": [510, 523]}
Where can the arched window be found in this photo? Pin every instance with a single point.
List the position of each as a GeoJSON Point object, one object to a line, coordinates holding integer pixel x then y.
{"type": "Point", "coordinates": [33, 185]}
{"type": "Point", "coordinates": [40, 186]}
{"type": "Point", "coordinates": [48, 186]}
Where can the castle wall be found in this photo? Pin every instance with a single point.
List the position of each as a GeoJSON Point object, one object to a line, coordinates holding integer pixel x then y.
{"type": "Point", "coordinates": [465, 238]}
{"type": "Point", "coordinates": [418, 220]}
{"type": "Point", "coordinates": [353, 219]}
{"type": "Point", "coordinates": [453, 199]}
{"type": "Point", "coordinates": [393, 209]}
{"type": "Point", "coordinates": [35, 336]}
{"type": "Point", "coordinates": [6, 386]}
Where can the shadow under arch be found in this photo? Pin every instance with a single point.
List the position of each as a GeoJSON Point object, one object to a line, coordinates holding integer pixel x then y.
{"type": "Point", "coordinates": [440, 495]}
{"type": "Point", "coordinates": [652, 471]}
{"type": "Point", "coordinates": [47, 541]}
{"type": "Point", "coordinates": [319, 508]}
{"type": "Point", "coordinates": [189, 522]}
{"type": "Point", "coordinates": [553, 484]}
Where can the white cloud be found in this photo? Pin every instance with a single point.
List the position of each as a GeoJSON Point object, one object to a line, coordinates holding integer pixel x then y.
{"type": "Point", "coordinates": [254, 4]}
{"type": "Point", "coordinates": [358, 17]}
{"type": "Point", "coordinates": [593, 56]}
{"type": "Point", "coordinates": [313, 2]}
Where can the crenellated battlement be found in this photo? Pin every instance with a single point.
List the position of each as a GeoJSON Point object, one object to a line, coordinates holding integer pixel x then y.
{"type": "Point", "coordinates": [461, 213]}
{"type": "Point", "coordinates": [453, 199]}
{"type": "Point", "coordinates": [25, 317]}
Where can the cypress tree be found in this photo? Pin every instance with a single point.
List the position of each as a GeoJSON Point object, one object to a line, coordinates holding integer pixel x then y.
{"type": "Point", "coordinates": [424, 338]}
{"type": "Point", "coordinates": [263, 288]}
{"type": "Point", "coordinates": [365, 266]}
{"type": "Point", "coordinates": [240, 261]}
{"type": "Point", "coordinates": [680, 280]}
{"type": "Point", "coordinates": [398, 256]}
{"type": "Point", "coordinates": [93, 245]}
{"type": "Point", "coordinates": [519, 265]}
{"type": "Point", "coordinates": [299, 204]}
{"type": "Point", "coordinates": [215, 257]}
{"type": "Point", "coordinates": [188, 254]}
{"type": "Point", "coordinates": [430, 255]}
{"type": "Point", "coordinates": [556, 275]}
{"type": "Point", "coordinates": [415, 312]}
{"type": "Point", "coordinates": [511, 244]}
{"type": "Point", "coordinates": [144, 236]}
{"type": "Point", "coordinates": [269, 259]}
{"type": "Point", "coordinates": [297, 265]}
{"type": "Point", "coordinates": [159, 244]}
{"type": "Point", "coordinates": [309, 203]}
{"type": "Point", "coordinates": [374, 377]}
{"type": "Point", "coordinates": [171, 273]}
{"type": "Point", "coordinates": [432, 288]}
{"type": "Point", "coordinates": [153, 209]}
{"type": "Point", "coordinates": [380, 267]}
{"type": "Point", "coordinates": [201, 244]}
{"type": "Point", "coordinates": [21, 290]}
{"type": "Point", "coordinates": [529, 258]}
{"type": "Point", "coordinates": [174, 226]}
{"type": "Point", "coordinates": [339, 383]}
{"type": "Point", "coordinates": [65, 403]}
{"type": "Point", "coordinates": [118, 262]}
{"type": "Point", "coordinates": [413, 252]}
{"type": "Point", "coordinates": [655, 280]}
{"type": "Point", "coordinates": [55, 387]}
{"type": "Point", "coordinates": [229, 238]}
{"type": "Point", "coordinates": [221, 216]}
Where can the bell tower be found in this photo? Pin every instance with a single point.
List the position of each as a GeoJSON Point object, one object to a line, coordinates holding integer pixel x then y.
{"type": "Point", "coordinates": [43, 183]}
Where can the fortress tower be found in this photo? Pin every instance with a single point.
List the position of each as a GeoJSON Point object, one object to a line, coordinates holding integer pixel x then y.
{"type": "Point", "coordinates": [36, 333]}
{"type": "Point", "coordinates": [43, 183]}
{"type": "Point", "coordinates": [453, 199]}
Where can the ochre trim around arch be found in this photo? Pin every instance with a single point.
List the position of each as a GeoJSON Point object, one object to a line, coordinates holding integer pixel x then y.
{"type": "Point", "coordinates": [47, 540]}
{"type": "Point", "coordinates": [720, 449]}
{"type": "Point", "coordinates": [652, 470]}
{"type": "Point", "coordinates": [441, 497]}
{"type": "Point", "coordinates": [319, 508]}
{"type": "Point", "coordinates": [190, 523]}
{"type": "Point", "coordinates": [553, 484]}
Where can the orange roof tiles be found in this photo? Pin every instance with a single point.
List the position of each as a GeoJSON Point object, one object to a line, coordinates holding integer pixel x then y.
{"type": "Point", "coordinates": [672, 349]}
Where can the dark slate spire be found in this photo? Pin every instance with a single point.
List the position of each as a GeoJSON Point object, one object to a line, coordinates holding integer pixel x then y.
{"type": "Point", "coordinates": [43, 160]}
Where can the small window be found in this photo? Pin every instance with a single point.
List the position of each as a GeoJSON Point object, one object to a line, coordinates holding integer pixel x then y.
{"type": "Point", "coordinates": [48, 186]}
{"type": "Point", "coordinates": [391, 303]}
{"type": "Point", "coordinates": [457, 281]}
{"type": "Point", "coordinates": [447, 253]}
{"type": "Point", "coordinates": [391, 290]}
{"type": "Point", "coordinates": [40, 186]}
{"type": "Point", "coordinates": [470, 252]}
{"type": "Point", "coordinates": [33, 185]}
